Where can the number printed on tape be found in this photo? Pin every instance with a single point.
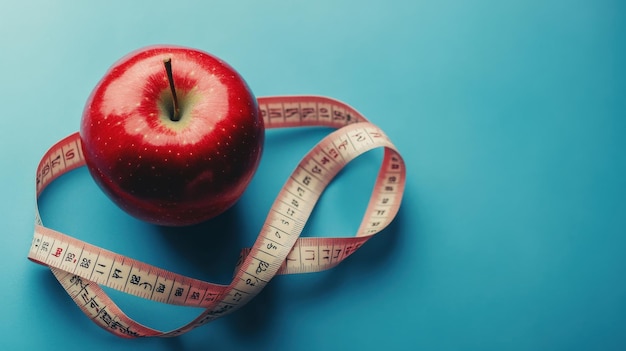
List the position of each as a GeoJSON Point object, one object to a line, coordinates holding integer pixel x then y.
{"type": "Point", "coordinates": [83, 269]}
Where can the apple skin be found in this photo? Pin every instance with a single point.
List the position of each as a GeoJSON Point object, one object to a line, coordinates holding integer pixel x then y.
{"type": "Point", "coordinates": [172, 173]}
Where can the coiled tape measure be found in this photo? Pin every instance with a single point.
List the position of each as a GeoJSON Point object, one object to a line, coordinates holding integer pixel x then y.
{"type": "Point", "coordinates": [82, 268]}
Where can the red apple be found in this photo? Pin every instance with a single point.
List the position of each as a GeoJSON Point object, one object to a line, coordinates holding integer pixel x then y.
{"type": "Point", "coordinates": [172, 135]}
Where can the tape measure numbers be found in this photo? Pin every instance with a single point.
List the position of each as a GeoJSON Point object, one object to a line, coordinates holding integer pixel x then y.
{"type": "Point", "coordinates": [82, 269]}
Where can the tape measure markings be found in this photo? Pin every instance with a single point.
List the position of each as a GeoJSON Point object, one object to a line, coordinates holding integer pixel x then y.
{"type": "Point", "coordinates": [98, 307]}
{"type": "Point", "coordinates": [295, 111]}
{"type": "Point", "coordinates": [124, 274]}
{"type": "Point", "coordinates": [69, 151]}
{"type": "Point", "coordinates": [82, 267]}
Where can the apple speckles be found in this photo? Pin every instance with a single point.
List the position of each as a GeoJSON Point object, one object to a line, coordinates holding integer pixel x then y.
{"type": "Point", "coordinates": [163, 162]}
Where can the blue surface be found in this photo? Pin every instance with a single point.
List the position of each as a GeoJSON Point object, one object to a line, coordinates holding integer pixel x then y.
{"type": "Point", "coordinates": [510, 115]}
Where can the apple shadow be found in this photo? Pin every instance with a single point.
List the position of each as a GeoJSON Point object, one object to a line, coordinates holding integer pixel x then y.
{"type": "Point", "coordinates": [214, 247]}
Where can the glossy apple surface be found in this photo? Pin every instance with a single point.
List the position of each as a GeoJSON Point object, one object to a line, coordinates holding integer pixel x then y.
{"type": "Point", "coordinates": [165, 171]}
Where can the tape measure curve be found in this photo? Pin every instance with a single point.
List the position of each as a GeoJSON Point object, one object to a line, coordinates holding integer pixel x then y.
{"type": "Point", "coordinates": [82, 269]}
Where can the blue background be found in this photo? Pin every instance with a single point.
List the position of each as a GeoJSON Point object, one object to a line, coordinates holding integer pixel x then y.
{"type": "Point", "coordinates": [510, 115]}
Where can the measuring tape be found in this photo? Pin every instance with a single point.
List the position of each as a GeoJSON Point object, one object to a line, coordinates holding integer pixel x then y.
{"type": "Point", "coordinates": [82, 268]}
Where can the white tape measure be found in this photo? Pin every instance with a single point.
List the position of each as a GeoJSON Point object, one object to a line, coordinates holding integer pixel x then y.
{"type": "Point", "coordinates": [82, 268]}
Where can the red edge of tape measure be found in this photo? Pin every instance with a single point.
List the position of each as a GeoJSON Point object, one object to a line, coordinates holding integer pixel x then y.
{"type": "Point", "coordinates": [82, 269]}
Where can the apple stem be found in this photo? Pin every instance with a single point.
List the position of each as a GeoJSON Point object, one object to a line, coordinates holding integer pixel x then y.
{"type": "Point", "coordinates": [175, 115]}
